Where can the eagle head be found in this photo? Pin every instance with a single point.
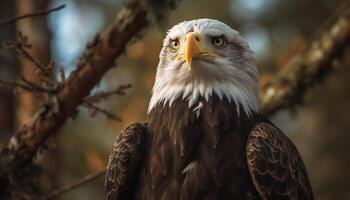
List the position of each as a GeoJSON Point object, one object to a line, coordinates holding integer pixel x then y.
{"type": "Point", "coordinates": [206, 57]}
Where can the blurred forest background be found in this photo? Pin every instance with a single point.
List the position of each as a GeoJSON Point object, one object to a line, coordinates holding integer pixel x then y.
{"type": "Point", "coordinates": [275, 29]}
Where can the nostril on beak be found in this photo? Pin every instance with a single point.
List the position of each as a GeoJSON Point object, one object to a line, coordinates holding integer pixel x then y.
{"type": "Point", "coordinates": [197, 38]}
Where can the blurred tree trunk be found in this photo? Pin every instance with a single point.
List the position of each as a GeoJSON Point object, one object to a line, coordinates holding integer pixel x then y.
{"type": "Point", "coordinates": [28, 103]}
{"type": "Point", "coordinates": [39, 36]}
{"type": "Point", "coordinates": [7, 71]}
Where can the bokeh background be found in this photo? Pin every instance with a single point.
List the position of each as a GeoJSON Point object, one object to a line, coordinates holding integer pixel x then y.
{"type": "Point", "coordinates": [275, 29]}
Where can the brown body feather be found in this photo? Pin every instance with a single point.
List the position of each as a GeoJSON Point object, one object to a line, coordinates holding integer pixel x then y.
{"type": "Point", "coordinates": [214, 155]}
{"type": "Point", "coordinates": [275, 165]}
{"type": "Point", "coordinates": [125, 162]}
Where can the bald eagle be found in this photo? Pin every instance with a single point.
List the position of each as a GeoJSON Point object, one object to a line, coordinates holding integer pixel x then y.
{"type": "Point", "coordinates": [205, 137]}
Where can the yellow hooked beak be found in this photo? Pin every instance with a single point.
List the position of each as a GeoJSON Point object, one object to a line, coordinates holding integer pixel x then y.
{"type": "Point", "coordinates": [194, 48]}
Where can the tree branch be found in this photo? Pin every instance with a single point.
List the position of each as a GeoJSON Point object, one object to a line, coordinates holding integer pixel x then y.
{"type": "Point", "coordinates": [86, 179]}
{"type": "Point", "coordinates": [26, 85]}
{"type": "Point", "coordinates": [30, 15]}
{"type": "Point", "coordinates": [21, 46]}
{"type": "Point", "coordinates": [38, 88]}
{"type": "Point", "coordinates": [95, 109]}
{"type": "Point", "coordinates": [311, 65]}
{"type": "Point", "coordinates": [16, 84]}
{"type": "Point", "coordinates": [99, 57]}
{"type": "Point", "coordinates": [105, 95]}
{"type": "Point", "coordinates": [89, 102]}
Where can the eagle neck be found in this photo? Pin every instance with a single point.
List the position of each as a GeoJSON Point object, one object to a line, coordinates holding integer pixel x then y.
{"type": "Point", "coordinates": [243, 97]}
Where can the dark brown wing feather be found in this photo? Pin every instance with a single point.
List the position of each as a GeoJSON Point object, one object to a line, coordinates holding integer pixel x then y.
{"type": "Point", "coordinates": [275, 165]}
{"type": "Point", "coordinates": [125, 162]}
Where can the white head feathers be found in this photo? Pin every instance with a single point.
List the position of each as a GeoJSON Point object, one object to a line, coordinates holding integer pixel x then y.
{"type": "Point", "coordinates": [232, 74]}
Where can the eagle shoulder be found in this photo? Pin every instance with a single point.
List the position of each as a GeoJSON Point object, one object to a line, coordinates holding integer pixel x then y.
{"type": "Point", "coordinates": [125, 162]}
{"type": "Point", "coordinates": [275, 165]}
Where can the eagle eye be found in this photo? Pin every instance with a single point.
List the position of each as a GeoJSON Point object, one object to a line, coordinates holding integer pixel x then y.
{"type": "Point", "coordinates": [175, 44]}
{"type": "Point", "coordinates": [218, 41]}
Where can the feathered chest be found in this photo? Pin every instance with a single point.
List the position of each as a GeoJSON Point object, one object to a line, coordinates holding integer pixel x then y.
{"type": "Point", "coordinates": [199, 145]}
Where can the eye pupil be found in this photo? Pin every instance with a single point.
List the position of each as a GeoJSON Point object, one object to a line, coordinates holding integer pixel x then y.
{"type": "Point", "coordinates": [218, 41]}
{"type": "Point", "coordinates": [175, 44]}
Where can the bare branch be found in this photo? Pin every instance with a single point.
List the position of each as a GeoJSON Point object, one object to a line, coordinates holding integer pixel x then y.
{"type": "Point", "coordinates": [105, 95]}
{"type": "Point", "coordinates": [95, 109]}
{"type": "Point", "coordinates": [99, 57]}
{"type": "Point", "coordinates": [26, 85]}
{"type": "Point", "coordinates": [38, 88]}
{"type": "Point", "coordinates": [20, 47]}
{"type": "Point", "coordinates": [30, 15]}
{"type": "Point", "coordinates": [311, 65]}
{"type": "Point", "coordinates": [86, 179]}
{"type": "Point", "coordinates": [16, 84]}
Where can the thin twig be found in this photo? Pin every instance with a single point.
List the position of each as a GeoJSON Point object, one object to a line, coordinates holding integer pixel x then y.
{"type": "Point", "coordinates": [27, 55]}
{"type": "Point", "coordinates": [91, 100]}
{"type": "Point", "coordinates": [16, 84]}
{"type": "Point", "coordinates": [80, 182]}
{"type": "Point", "coordinates": [30, 15]}
{"type": "Point", "coordinates": [20, 46]}
{"type": "Point", "coordinates": [37, 87]}
{"type": "Point", "coordinates": [103, 95]}
{"type": "Point", "coordinates": [96, 109]}
{"type": "Point", "coordinates": [26, 85]}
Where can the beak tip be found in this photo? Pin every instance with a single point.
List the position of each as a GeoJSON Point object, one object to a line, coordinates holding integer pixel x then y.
{"type": "Point", "coordinates": [189, 64]}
